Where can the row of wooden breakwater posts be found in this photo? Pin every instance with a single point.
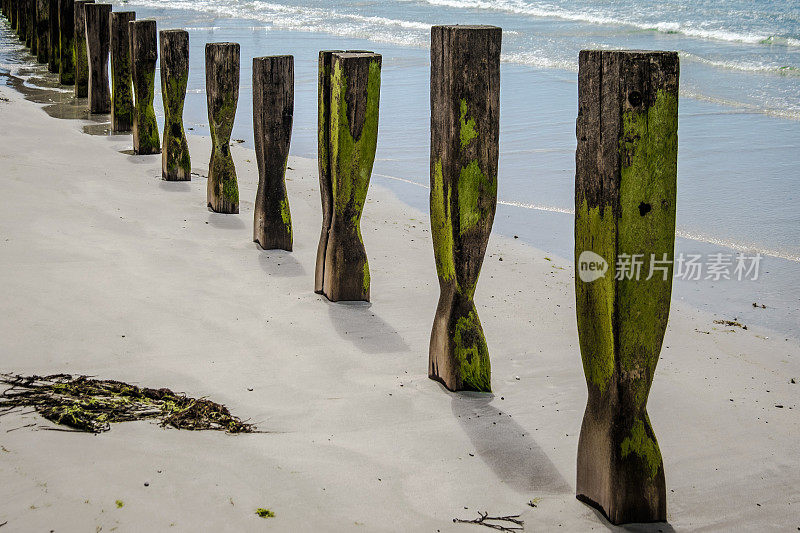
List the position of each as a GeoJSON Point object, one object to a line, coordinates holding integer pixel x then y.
{"type": "Point", "coordinates": [625, 192]}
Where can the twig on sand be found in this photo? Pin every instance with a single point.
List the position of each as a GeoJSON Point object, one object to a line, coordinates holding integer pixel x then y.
{"type": "Point", "coordinates": [485, 520]}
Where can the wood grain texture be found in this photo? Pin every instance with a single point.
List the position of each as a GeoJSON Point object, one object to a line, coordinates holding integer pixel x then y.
{"type": "Point", "coordinates": [42, 31]}
{"type": "Point", "coordinates": [54, 36]}
{"type": "Point", "coordinates": [81, 50]}
{"type": "Point", "coordinates": [465, 125]}
{"type": "Point", "coordinates": [144, 55]}
{"type": "Point", "coordinates": [273, 110]}
{"type": "Point", "coordinates": [121, 73]}
{"type": "Point", "coordinates": [66, 25]}
{"type": "Point", "coordinates": [354, 105]}
{"type": "Point", "coordinates": [222, 93]}
{"type": "Point", "coordinates": [625, 192]}
{"type": "Point", "coordinates": [176, 164]}
{"type": "Point", "coordinates": [98, 38]}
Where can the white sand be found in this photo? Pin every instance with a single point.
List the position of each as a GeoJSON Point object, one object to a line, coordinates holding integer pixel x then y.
{"type": "Point", "coordinates": [111, 272]}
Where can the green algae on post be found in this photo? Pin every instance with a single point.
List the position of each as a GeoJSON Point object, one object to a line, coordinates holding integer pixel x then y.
{"type": "Point", "coordinates": [121, 74]}
{"type": "Point", "coordinates": [66, 23]}
{"type": "Point", "coordinates": [81, 52]}
{"type": "Point", "coordinates": [222, 95]}
{"type": "Point", "coordinates": [625, 184]}
{"type": "Point", "coordinates": [463, 174]}
{"type": "Point", "coordinates": [144, 55]}
{"type": "Point", "coordinates": [92, 405]}
{"type": "Point", "coordinates": [175, 160]}
{"type": "Point", "coordinates": [355, 84]}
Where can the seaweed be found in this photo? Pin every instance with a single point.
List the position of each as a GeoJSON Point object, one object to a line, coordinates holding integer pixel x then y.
{"type": "Point", "coordinates": [91, 405]}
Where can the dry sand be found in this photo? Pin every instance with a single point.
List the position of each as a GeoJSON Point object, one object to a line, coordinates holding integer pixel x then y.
{"type": "Point", "coordinates": [111, 272]}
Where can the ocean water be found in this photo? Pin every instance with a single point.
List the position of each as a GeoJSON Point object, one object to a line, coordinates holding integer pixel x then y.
{"type": "Point", "coordinates": [739, 169]}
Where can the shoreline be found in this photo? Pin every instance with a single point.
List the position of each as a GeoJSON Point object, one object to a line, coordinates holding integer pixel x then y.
{"type": "Point", "coordinates": [118, 274]}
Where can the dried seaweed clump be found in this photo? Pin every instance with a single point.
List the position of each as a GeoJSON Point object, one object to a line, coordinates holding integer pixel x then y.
{"type": "Point", "coordinates": [92, 405]}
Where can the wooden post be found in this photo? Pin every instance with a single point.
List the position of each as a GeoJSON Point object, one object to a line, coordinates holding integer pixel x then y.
{"type": "Point", "coordinates": [222, 92]}
{"type": "Point", "coordinates": [81, 52]}
{"type": "Point", "coordinates": [121, 77]}
{"type": "Point", "coordinates": [465, 125]}
{"type": "Point", "coordinates": [21, 20]}
{"type": "Point", "coordinates": [354, 104]}
{"type": "Point", "coordinates": [323, 157]}
{"type": "Point", "coordinates": [66, 24]}
{"type": "Point", "coordinates": [97, 44]}
{"type": "Point", "coordinates": [30, 25]}
{"type": "Point", "coordinates": [324, 160]}
{"type": "Point", "coordinates": [42, 31]}
{"type": "Point", "coordinates": [625, 189]}
{"type": "Point", "coordinates": [54, 37]}
{"type": "Point", "coordinates": [144, 55]}
{"type": "Point", "coordinates": [273, 109]}
{"type": "Point", "coordinates": [175, 162]}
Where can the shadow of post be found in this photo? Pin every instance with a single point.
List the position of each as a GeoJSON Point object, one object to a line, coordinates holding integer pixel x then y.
{"type": "Point", "coordinates": [507, 447]}
{"type": "Point", "coordinates": [355, 322]}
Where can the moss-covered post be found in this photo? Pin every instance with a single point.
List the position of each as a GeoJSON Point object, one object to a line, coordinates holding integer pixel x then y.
{"type": "Point", "coordinates": [121, 77]}
{"type": "Point", "coordinates": [66, 24]}
{"type": "Point", "coordinates": [175, 162]}
{"type": "Point", "coordinates": [323, 159]}
{"type": "Point", "coordinates": [273, 110]}
{"type": "Point", "coordinates": [354, 103]}
{"type": "Point", "coordinates": [625, 189]}
{"type": "Point", "coordinates": [222, 93]}
{"type": "Point", "coordinates": [81, 52]}
{"type": "Point", "coordinates": [144, 55]}
{"type": "Point", "coordinates": [42, 31]}
{"type": "Point", "coordinates": [54, 36]}
{"type": "Point", "coordinates": [465, 125]}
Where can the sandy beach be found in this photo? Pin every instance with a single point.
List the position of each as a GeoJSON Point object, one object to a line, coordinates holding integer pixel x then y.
{"type": "Point", "coordinates": [111, 272]}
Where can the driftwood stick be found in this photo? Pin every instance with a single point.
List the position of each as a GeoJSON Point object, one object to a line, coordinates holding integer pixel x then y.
{"type": "Point", "coordinates": [175, 162]}
{"type": "Point", "coordinates": [121, 76]}
{"type": "Point", "coordinates": [222, 92]}
{"type": "Point", "coordinates": [354, 104]}
{"type": "Point", "coordinates": [66, 25]}
{"type": "Point", "coordinates": [625, 190]}
{"type": "Point", "coordinates": [81, 52]}
{"type": "Point", "coordinates": [273, 109]}
{"type": "Point", "coordinates": [465, 125]}
{"type": "Point", "coordinates": [97, 43]}
{"type": "Point", "coordinates": [54, 36]}
{"type": "Point", "coordinates": [144, 55]}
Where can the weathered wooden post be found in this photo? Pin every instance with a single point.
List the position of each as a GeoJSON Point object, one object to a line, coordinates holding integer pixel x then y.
{"type": "Point", "coordinates": [465, 125]}
{"type": "Point", "coordinates": [323, 157]}
{"type": "Point", "coordinates": [121, 77]}
{"type": "Point", "coordinates": [54, 37]}
{"type": "Point", "coordinates": [30, 25]}
{"type": "Point", "coordinates": [144, 55]}
{"type": "Point", "coordinates": [625, 188]}
{"type": "Point", "coordinates": [222, 92]}
{"type": "Point", "coordinates": [273, 110]}
{"type": "Point", "coordinates": [81, 52]}
{"type": "Point", "coordinates": [66, 24]}
{"type": "Point", "coordinates": [21, 20]}
{"type": "Point", "coordinates": [354, 104]}
{"type": "Point", "coordinates": [175, 161]}
{"type": "Point", "coordinates": [98, 36]}
{"type": "Point", "coordinates": [42, 31]}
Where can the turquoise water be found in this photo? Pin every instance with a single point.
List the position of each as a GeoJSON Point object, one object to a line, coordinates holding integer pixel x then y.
{"type": "Point", "coordinates": [739, 170]}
